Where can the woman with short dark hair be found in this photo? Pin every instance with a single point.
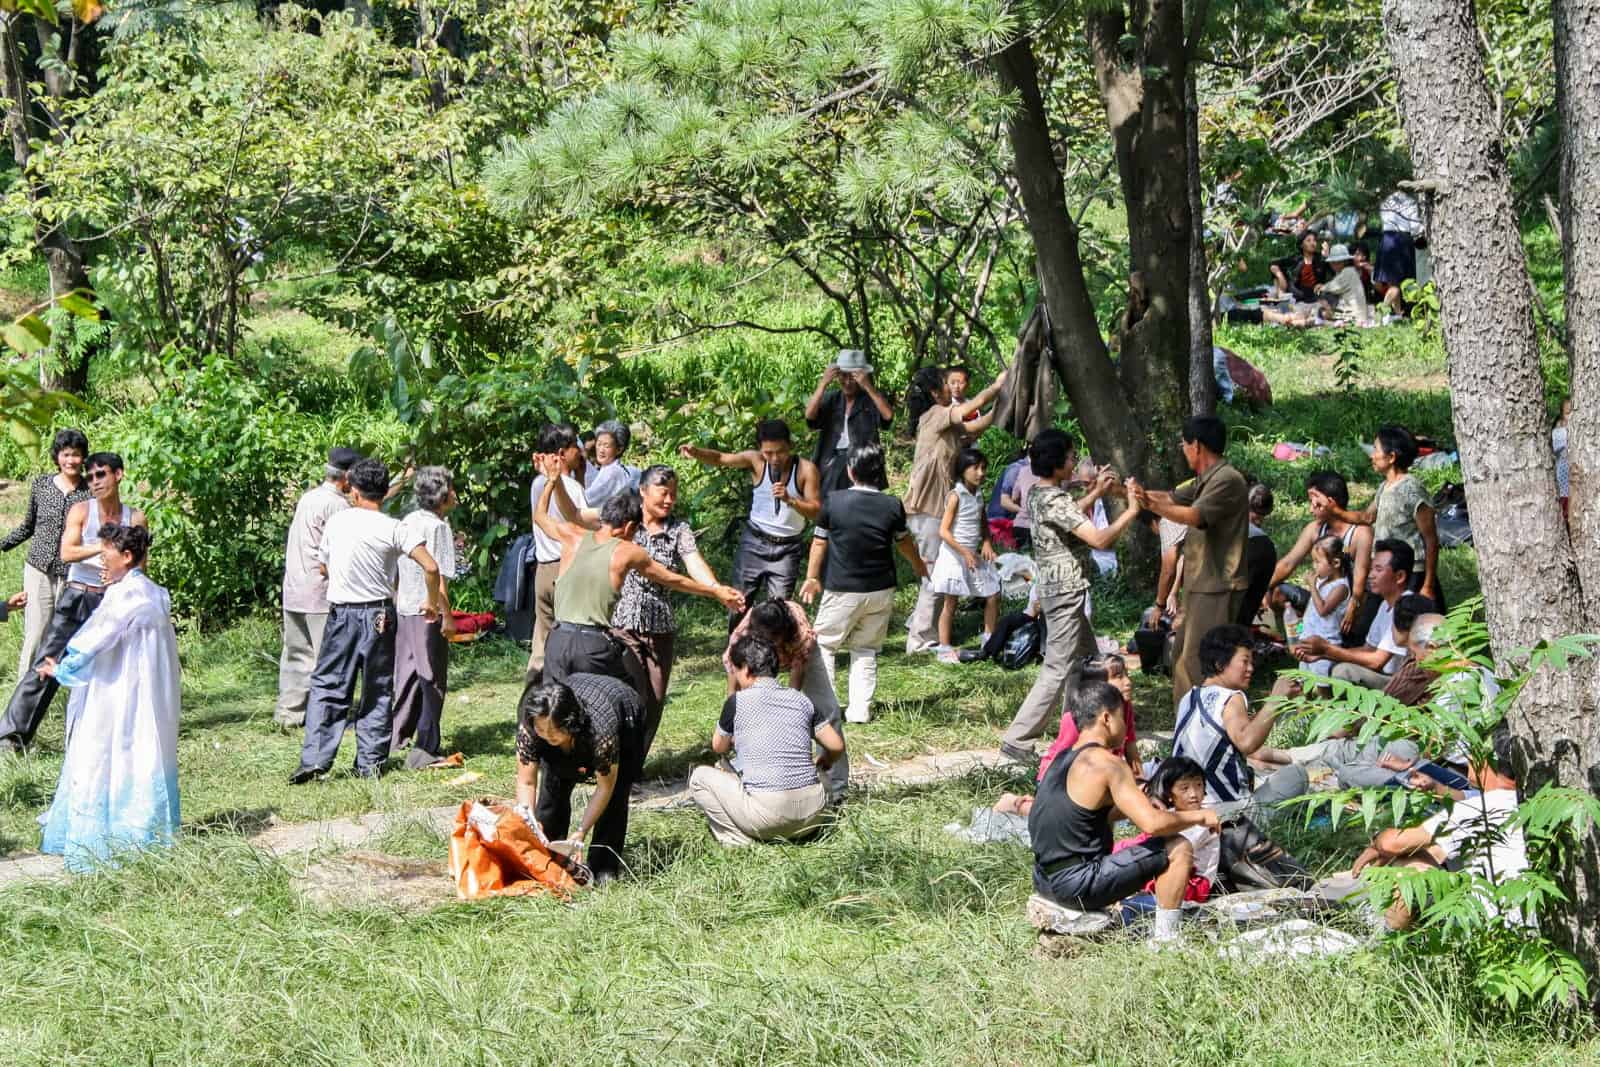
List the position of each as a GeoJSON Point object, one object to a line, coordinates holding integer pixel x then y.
{"type": "Point", "coordinates": [49, 500]}
{"type": "Point", "coordinates": [590, 728]}
{"type": "Point", "coordinates": [1402, 511]}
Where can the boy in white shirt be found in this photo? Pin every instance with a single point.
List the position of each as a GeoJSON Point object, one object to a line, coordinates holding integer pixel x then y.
{"type": "Point", "coordinates": [360, 551]}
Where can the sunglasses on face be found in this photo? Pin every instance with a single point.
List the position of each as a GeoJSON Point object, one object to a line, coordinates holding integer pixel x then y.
{"type": "Point", "coordinates": [98, 476]}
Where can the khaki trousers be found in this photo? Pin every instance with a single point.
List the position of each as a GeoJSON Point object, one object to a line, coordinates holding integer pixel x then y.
{"type": "Point", "coordinates": [1068, 641]}
{"type": "Point", "coordinates": [858, 623]}
{"type": "Point", "coordinates": [302, 641]}
{"type": "Point", "coordinates": [740, 817]}
{"type": "Point", "coordinates": [41, 590]}
{"type": "Point", "coordinates": [544, 612]}
{"type": "Point", "coordinates": [1202, 613]}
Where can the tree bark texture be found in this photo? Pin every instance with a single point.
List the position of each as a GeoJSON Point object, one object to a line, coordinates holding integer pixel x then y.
{"type": "Point", "coordinates": [1202, 376]}
{"type": "Point", "coordinates": [1142, 89]}
{"type": "Point", "coordinates": [1529, 574]}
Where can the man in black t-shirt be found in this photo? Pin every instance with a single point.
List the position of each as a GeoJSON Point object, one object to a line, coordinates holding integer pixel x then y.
{"type": "Point", "coordinates": [857, 534]}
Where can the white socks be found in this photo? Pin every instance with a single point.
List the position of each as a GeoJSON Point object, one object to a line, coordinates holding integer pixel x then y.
{"type": "Point", "coordinates": [1168, 924]}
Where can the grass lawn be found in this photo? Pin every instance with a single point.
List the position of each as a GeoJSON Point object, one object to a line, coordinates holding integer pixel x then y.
{"type": "Point", "coordinates": [886, 941]}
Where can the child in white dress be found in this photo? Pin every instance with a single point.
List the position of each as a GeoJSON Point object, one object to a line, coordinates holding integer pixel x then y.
{"type": "Point", "coordinates": [964, 566]}
{"type": "Point", "coordinates": [1330, 586]}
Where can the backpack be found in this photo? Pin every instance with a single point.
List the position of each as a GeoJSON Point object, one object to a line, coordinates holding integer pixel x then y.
{"type": "Point", "coordinates": [1252, 860]}
{"type": "Point", "coordinates": [1024, 646]}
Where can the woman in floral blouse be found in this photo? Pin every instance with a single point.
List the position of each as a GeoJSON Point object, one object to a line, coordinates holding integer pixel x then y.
{"type": "Point", "coordinates": [49, 501]}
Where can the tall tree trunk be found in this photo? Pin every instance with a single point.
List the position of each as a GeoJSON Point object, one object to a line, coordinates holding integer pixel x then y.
{"type": "Point", "coordinates": [1108, 414]}
{"type": "Point", "coordinates": [1202, 378]}
{"type": "Point", "coordinates": [1525, 560]}
{"type": "Point", "coordinates": [62, 255]}
{"type": "Point", "coordinates": [1143, 97]}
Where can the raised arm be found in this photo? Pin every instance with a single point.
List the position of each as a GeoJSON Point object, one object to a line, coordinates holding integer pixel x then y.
{"type": "Point", "coordinates": [1364, 517]}
{"type": "Point", "coordinates": [1096, 538]}
{"type": "Point", "coordinates": [710, 457]}
{"type": "Point", "coordinates": [556, 529]}
{"type": "Point", "coordinates": [981, 423]}
{"type": "Point", "coordinates": [1247, 732]}
{"type": "Point", "coordinates": [1290, 561]}
{"type": "Point", "coordinates": [879, 401]}
{"type": "Point", "coordinates": [1162, 504]}
{"type": "Point", "coordinates": [814, 405]}
{"type": "Point", "coordinates": [637, 559]}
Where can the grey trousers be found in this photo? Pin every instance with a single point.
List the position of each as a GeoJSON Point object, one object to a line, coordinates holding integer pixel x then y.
{"type": "Point", "coordinates": [765, 567]}
{"type": "Point", "coordinates": [42, 591]}
{"type": "Point", "coordinates": [358, 643]}
{"type": "Point", "coordinates": [1354, 672]}
{"type": "Point", "coordinates": [1068, 641]}
{"type": "Point", "coordinates": [922, 628]}
{"type": "Point", "coordinates": [1291, 781]}
{"type": "Point", "coordinates": [817, 685]}
{"type": "Point", "coordinates": [421, 676]}
{"type": "Point", "coordinates": [1355, 764]}
{"type": "Point", "coordinates": [302, 640]}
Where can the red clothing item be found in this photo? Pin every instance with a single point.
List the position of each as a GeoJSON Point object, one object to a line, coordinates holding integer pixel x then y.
{"type": "Point", "coordinates": [1307, 277]}
{"type": "Point", "coordinates": [1067, 736]}
{"type": "Point", "coordinates": [1198, 889]}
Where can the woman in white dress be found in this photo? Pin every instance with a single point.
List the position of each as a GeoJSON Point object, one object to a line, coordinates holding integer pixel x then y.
{"type": "Point", "coordinates": [118, 789]}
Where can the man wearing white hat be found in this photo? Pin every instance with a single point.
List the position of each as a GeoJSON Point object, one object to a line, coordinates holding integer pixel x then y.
{"type": "Point", "coordinates": [1344, 296]}
{"type": "Point", "coordinates": [844, 418]}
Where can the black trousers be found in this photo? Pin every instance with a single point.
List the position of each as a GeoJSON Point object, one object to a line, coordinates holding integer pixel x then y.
{"type": "Point", "coordinates": [31, 699]}
{"type": "Point", "coordinates": [553, 807]}
{"type": "Point", "coordinates": [358, 643]}
{"type": "Point", "coordinates": [421, 675]}
{"type": "Point", "coordinates": [575, 649]}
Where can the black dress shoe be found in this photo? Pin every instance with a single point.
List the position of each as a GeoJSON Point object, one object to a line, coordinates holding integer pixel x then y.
{"type": "Point", "coordinates": [971, 655]}
{"type": "Point", "coordinates": [303, 775]}
{"type": "Point", "coordinates": [1018, 754]}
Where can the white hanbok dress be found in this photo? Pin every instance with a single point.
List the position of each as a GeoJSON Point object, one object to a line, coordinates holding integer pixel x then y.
{"type": "Point", "coordinates": [119, 785]}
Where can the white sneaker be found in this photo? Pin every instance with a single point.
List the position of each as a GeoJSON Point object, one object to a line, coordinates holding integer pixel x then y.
{"type": "Point", "coordinates": [853, 715]}
{"type": "Point", "coordinates": [948, 655]}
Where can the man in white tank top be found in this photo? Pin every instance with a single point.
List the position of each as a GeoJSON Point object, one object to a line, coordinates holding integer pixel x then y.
{"type": "Point", "coordinates": [80, 550]}
{"type": "Point", "coordinates": [785, 491]}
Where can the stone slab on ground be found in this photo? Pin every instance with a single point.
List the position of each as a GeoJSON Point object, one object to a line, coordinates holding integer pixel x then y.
{"type": "Point", "coordinates": [372, 879]}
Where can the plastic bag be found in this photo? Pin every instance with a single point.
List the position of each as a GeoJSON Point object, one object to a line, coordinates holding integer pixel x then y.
{"type": "Point", "coordinates": [494, 852]}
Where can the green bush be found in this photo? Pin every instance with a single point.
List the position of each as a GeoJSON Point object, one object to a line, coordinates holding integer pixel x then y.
{"type": "Point", "coordinates": [217, 462]}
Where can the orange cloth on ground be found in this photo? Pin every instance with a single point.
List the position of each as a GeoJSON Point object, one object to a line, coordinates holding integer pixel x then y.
{"type": "Point", "coordinates": [495, 853]}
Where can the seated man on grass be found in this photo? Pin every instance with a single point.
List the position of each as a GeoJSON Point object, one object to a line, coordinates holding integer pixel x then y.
{"type": "Point", "coordinates": [1376, 661]}
{"type": "Point", "coordinates": [1473, 834]}
{"type": "Point", "coordinates": [772, 792]}
{"type": "Point", "coordinates": [1070, 824]}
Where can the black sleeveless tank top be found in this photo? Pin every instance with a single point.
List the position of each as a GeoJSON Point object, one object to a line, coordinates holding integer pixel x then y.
{"type": "Point", "coordinates": [1061, 829]}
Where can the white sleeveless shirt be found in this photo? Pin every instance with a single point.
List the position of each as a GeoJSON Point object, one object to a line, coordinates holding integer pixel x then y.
{"type": "Point", "coordinates": [87, 571]}
{"type": "Point", "coordinates": [772, 518]}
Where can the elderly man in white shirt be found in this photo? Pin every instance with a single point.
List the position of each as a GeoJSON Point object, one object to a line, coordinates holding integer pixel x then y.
{"type": "Point", "coordinates": [360, 553]}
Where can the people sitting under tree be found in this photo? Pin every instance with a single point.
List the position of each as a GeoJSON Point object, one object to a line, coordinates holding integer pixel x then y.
{"type": "Point", "coordinates": [771, 791]}
{"type": "Point", "coordinates": [785, 491]}
{"type": "Point", "coordinates": [1070, 824]}
{"type": "Point", "coordinates": [1300, 274]}
{"type": "Point", "coordinates": [1217, 731]}
{"type": "Point", "coordinates": [1402, 511]}
{"type": "Point", "coordinates": [1476, 832]}
{"type": "Point", "coordinates": [1327, 493]}
{"type": "Point", "coordinates": [1344, 296]}
{"type": "Point", "coordinates": [1375, 661]}
{"type": "Point", "coordinates": [783, 624]}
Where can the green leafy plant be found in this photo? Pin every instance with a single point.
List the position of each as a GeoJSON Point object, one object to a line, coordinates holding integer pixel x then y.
{"type": "Point", "coordinates": [1424, 302]}
{"type": "Point", "coordinates": [1347, 360]}
{"type": "Point", "coordinates": [1490, 922]}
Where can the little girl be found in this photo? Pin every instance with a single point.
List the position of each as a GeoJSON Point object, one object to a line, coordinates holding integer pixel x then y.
{"type": "Point", "coordinates": [959, 571]}
{"type": "Point", "coordinates": [1330, 586]}
{"type": "Point", "coordinates": [1180, 785]}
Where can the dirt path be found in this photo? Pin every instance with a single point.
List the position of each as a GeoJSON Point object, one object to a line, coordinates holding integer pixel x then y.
{"type": "Point", "coordinates": [353, 831]}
